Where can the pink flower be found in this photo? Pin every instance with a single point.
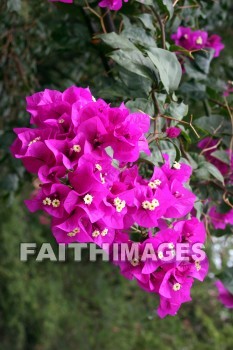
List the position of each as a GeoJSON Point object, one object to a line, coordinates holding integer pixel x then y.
{"type": "Point", "coordinates": [228, 90]}
{"type": "Point", "coordinates": [210, 145]}
{"type": "Point", "coordinates": [225, 296]}
{"type": "Point", "coordinates": [182, 201]}
{"type": "Point", "coordinates": [176, 171]}
{"type": "Point", "coordinates": [173, 132]}
{"type": "Point", "coordinates": [176, 291]}
{"type": "Point", "coordinates": [151, 205]}
{"type": "Point", "coordinates": [220, 220]}
{"type": "Point", "coordinates": [197, 40]}
{"type": "Point", "coordinates": [214, 42]}
{"type": "Point", "coordinates": [31, 148]}
{"type": "Point", "coordinates": [112, 4]}
{"type": "Point", "coordinates": [50, 199]}
{"type": "Point", "coordinates": [85, 154]}
{"type": "Point", "coordinates": [190, 40]}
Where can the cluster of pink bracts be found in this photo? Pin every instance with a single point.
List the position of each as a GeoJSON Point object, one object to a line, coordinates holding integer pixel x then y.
{"type": "Point", "coordinates": [209, 145]}
{"type": "Point", "coordinates": [85, 154]}
{"type": "Point", "coordinates": [114, 5]}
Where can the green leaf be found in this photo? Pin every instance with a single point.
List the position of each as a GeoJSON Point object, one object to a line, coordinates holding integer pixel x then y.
{"type": "Point", "coordinates": [14, 5]}
{"type": "Point", "coordinates": [168, 66]}
{"type": "Point", "coordinates": [177, 149]}
{"type": "Point", "coordinates": [147, 20]}
{"type": "Point", "coordinates": [198, 205]}
{"type": "Point", "coordinates": [198, 68]}
{"type": "Point", "coordinates": [221, 155]}
{"type": "Point", "coordinates": [214, 171]}
{"type": "Point", "coordinates": [166, 6]}
{"type": "Point", "coordinates": [138, 36]}
{"type": "Point", "coordinates": [214, 122]}
{"type": "Point", "coordinates": [141, 104]}
{"type": "Point", "coordinates": [146, 2]}
{"type": "Point", "coordinates": [117, 41]}
{"type": "Point", "coordinates": [180, 49]}
{"type": "Point", "coordinates": [135, 62]}
{"type": "Point", "coordinates": [177, 111]}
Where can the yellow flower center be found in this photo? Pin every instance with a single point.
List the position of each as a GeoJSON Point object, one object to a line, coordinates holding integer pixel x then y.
{"type": "Point", "coordinates": [176, 165]}
{"type": "Point", "coordinates": [119, 204]}
{"type": "Point", "coordinates": [104, 232]}
{"type": "Point", "coordinates": [76, 148]}
{"type": "Point", "coordinates": [176, 286]}
{"type": "Point", "coordinates": [102, 178]}
{"type": "Point", "coordinates": [154, 184]}
{"type": "Point", "coordinates": [160, 255]}
{"type": "Point", "coordinates": [171, 245]}
{"type": "Point", "coordinates": [74, 232]}
{"type": "Point", "coordinates": [61, 121]}
{"type": "Point", "coordinates": [33, 141]}
{"type": "Point", "coordinates": [95, 233]}
{"type": "Point", "coordinates": [47, 201]}
{"type": "Point", "coordinates": [56, 203]}
{"type": "Point", "coordinates": [199, 40]}
{"type": "Point", "coordinates": [98, 167]}
{"type": "Point", "coordinates": [134, 262]}
{"type": "Point", "coordinates": [88, 199]}
{"type": "Point", "coordinates": [198, 265]}
{"type": "Point", "coordinates": [150, 205]}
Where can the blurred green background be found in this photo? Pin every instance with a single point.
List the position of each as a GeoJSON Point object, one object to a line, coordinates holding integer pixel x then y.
{"type": "Point", "coordinates": [68, 305]}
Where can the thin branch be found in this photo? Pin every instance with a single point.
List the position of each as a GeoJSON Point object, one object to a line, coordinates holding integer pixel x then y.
{"type": "Point", "coordinates": [108, 22]}
{"type": "Point", "coordinates": [211, 148]}
{"type": "Point", "coordinates": [183, 122]}
{"type": "Point", "coordinates": [157, 108]}
{"type": "Point", "coordinates": [220, 104]}
{"type": "Point", "coordinates": [162, 27]}
{"type": "Point", "coordinates": [231, 116]}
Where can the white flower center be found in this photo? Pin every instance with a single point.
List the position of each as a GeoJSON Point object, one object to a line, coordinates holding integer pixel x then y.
{"type": "Point", "coordinates": [95, 233]}
{"type": "Point", "coordinates": [176, 286]}
{"type": "Point", "coordinates": [104, 232]}
{"type": "Point", "coordinates": [74, 232]}
{"type": "Point", "coordinates": [176, 165]}
{"type": "Point", "coordinates": [34, 141]}
{"type": "Point", "coordinates": [98, 167]}
{"type": "Point", "coordinates": [88, 199]}
{"type": "Point", "coordinates": [198, 265]}
{"type": "Point", "coordinates": [150, 205]}
{"type": "Point", "coordinates": [134, 262]}
{"type": "Point", "coordinates": [119, 204]}
{"type": "Point", "coordinates": [56, 203]}
{"type": "Point", "coordinates": [160, 255]}
{"type": "Point", "coordinates": [76, 148]}
{"type": "Point", "coordinates": [47, 201]}
{"type": "Point", "coordinates": [199, 40]}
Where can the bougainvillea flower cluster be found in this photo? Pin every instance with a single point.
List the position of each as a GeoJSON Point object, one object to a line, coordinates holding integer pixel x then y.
{"type": "Point", "coordinates": [85, 154]}
{"type": "Point", "coordinates": [210, 145]}
{"type": "Point", "coordinates": [114, 5]}
{"type": "Point", "coordinates": [193, 40]}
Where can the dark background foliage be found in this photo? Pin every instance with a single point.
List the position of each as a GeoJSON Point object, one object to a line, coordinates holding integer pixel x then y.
{"type": "Point", "coordinates": [89, 305]}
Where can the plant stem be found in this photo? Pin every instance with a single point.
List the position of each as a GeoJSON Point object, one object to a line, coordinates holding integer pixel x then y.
{"type": "Point", "coordinates": [162, 27]}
